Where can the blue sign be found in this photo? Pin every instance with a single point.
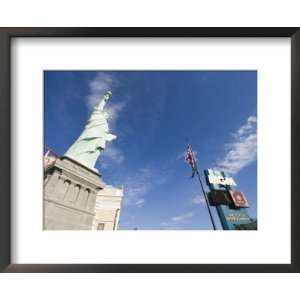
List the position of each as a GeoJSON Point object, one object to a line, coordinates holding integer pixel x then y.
{"type": "Point", "coordinates": [230, 216]}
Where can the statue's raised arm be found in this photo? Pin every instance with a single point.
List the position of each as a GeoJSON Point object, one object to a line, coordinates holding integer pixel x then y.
{"type": "Point", "coordinates": [92, 140]}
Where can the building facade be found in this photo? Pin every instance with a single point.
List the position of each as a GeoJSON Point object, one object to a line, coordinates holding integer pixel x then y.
{"type": "Point", "coordinates": [75, 197]}
{"type": "Point", "coordinates": [108, 207]}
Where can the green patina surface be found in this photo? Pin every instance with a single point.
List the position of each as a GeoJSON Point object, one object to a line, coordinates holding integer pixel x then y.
{"type": "Point", "coordinates": [92, 141]}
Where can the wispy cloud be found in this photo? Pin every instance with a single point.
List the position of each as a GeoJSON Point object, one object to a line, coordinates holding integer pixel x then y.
{"type": "Point", "coordinates": [177, 220]}
{"type": "Point", "coordinates": [165, 223]}
{"type": "Point", "coordinates": [242, 150]}
{"type": "Point", "coordinates": [114, 110]}
{"type": "Point", "coordinates": [198, 200]}
{"type": "Point", "coordinates": [139, 203]}
{"type": "Point", "coordinates": [183, 217]}
{"type": "Point", "coordinates": [111, 154]}
{"type": "Point", "coordinates": [137, 186]}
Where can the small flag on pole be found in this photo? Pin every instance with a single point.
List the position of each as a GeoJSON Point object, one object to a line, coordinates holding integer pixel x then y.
{"type": "Point", "coordinates": [189, 158]}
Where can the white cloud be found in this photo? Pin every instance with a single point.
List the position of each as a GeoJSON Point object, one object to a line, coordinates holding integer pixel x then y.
{"type": "Point", "coordinates": [246, 128]}
{"type": "Point", "coordinates": [136, 187]}
{"type": "Point", "coordinates": [139, 203]}
{"type": "Point", "coordinates": [175, 222]}
{"type": "Point", "coordinates": [198, 200]}
{"type": "Point", "coordinates": [139, 183]}
{"type": "Point", "coordinates": [114, 109]}
{"type": "Point", "coordinates": [242, 150]}
{"type": "Point", "coordinates": [183, 217]}
{"type": "Point", "coordinates": [98, 86]}
{"type": "Point", "coordinates": [166, 223]}
{"type": "Point", "coordinates": [111, 154]}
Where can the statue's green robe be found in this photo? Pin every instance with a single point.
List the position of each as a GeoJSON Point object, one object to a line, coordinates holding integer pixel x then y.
{"type": "Point", "coordinates": [92, 140]}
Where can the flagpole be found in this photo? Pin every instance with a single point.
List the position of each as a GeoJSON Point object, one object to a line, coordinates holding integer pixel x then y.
{"type": "Point", "coordinates": [202, 188]}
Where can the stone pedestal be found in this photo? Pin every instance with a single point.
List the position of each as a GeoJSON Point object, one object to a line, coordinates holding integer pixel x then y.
{"type": "Point", "coordinates": [70, 191]}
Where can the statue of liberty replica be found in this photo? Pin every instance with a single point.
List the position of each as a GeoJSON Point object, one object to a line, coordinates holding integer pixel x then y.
{"type": "Point", "coordinates": [72, 183]}
{"type": "Point", "coordinates": [92, 140]}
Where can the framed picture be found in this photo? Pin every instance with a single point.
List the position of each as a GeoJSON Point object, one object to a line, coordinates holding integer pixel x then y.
{"type": "Point", "coordinates": [149, 149]}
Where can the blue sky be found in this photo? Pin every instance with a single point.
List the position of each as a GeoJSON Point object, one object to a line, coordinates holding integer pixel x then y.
{"type": "Point", "coordinates": [155, 114]}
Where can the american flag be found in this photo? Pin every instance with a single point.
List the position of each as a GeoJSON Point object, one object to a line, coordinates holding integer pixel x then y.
{"type": "Point", "coordinates": [189, 158]}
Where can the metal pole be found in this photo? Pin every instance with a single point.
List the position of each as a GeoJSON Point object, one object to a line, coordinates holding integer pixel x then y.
{"type": "Point", "coordinates": [206, 200]}
{"type": "Point", "coordinates": [205, 196]}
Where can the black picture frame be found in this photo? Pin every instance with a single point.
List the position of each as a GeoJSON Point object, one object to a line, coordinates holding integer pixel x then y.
{"type": "Point", "coordinates": [6, 34]}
